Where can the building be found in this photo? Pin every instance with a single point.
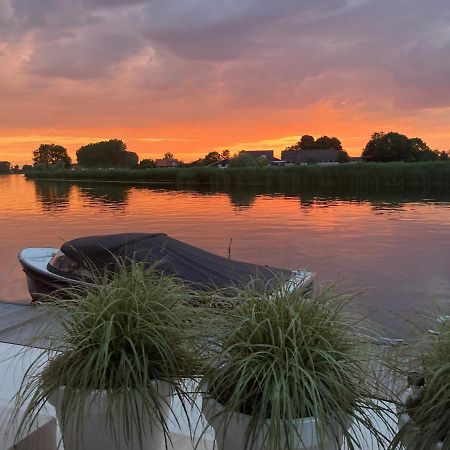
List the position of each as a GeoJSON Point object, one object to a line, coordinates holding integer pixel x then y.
{"type": "Point", "coordinates": [313, 156]}
{"type": "Point", "coordinates": [167, 162]}
{"type": "Point", "coordinates": [255, 154]}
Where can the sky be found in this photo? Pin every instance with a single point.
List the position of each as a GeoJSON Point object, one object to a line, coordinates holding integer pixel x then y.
{"type": "Point", "coordinates": [193, 76]}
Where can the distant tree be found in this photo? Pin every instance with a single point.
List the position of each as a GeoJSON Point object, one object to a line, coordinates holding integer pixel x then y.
{"type": "Point", "coordinates": [443, 155]}
{"type": "Point", "coordinates": [421, 151]}
{"type": "Point", "coordinates": [50, 155]}
{"type": "Point", "coordinates": [225, 154]}
{"type": "Point", "coordinates": [112, 153]}
{"type": "Point", "coordinates": [168, 155]}
{"type": "Point", "coordinates": [27, 167]}
{"type": "Point", "coordinates": [306, 142]}
{"type": "Point", "coordinates": [5, 167]}
{"type": "Point", "coordinates": [342, 157]}
{"type": "Point", "coordinates": [328, 142]}
{"type": "Point", "coordinates": [261, 161]}
{"type": "Point", "coordinates": [212, 158]}
{"type": "Point", "coordinates": [147, 164]}
{"type": "Point", "coordinates": [242, 160]}
{"type": "Point", "coordinates": [385, 147]}
{"type": "Point", "coordinates": [131, 159]}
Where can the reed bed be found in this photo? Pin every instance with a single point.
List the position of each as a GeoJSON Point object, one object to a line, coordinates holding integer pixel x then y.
{"type": "Point", "coordinates": [354, 177]}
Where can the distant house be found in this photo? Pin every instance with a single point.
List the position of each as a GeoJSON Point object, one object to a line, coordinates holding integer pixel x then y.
{"type": "Point", "coordinates": [255, 154]}
{"type": "Point", "coordinates": [313, 156]}
{"type": "Point", "coordinates": [167, 162]}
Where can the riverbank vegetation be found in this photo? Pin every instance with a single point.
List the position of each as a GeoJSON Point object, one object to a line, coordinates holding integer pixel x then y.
{"type": "Point", "coordinates": [355, 177]}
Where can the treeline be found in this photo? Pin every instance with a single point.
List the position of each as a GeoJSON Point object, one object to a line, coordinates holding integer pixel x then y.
{"type": "Point", "coordinates": [6, 167]}
{"type": "Point", "coordinates": [353, 177]}
{"type": "Point", "coordinates": [112, 153]}
{"type": "Point", "coordinates": [388, 147]}
{"type": "Point", "coordinates": [382, 147]}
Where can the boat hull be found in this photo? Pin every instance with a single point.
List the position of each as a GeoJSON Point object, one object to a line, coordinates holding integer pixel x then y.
{"type": "Point", "coordinates": [40, 281]}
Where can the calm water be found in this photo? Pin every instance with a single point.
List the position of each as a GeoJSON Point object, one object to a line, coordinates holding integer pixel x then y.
{"type": "Point", "coordinates": [396, 249]}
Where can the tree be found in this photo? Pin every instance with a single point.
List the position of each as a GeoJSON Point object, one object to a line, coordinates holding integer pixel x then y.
{"type": "Point", "coordinates": [131, 159]}
{"type": "Point", "coordinates": [27, 167]}
{"type": "Point", "coordinates": [392, 146]}
{"type": "Point", "coordinates": [212, 158]}
{"type": "Point", "coordinates": [225, 154]}
{"type": "Point", "coordinates": [261, 161]}
{"type": "Point", "coordinates": [168, 155]}
{"type": "Point", "coordinates": [242, 160]}
{"type": "Point", "coordinates": [112, 153]}
{"type": "Point", "coordinates": [443, 155]}
{"type": "Point", "coordinates": [5, 167]}
{"type": "Point", "coordinates": [342, 157]}
{"type": "Point", "coordinates": [421, 151]}
{"type": "Point", "coordinates": [306, 142]}
{"type": "Point", "coordinates": [147, 164]}
{"type": "Point", "coordinates": [328, 142]}
{"type": "Point", "coordinates": [50, 155]}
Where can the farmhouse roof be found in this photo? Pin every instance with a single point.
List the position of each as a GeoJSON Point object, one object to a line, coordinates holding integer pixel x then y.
{"type": "Point", "coordinates": [167, 162]}
{"type": "Point", "coordinates": [310, 155]}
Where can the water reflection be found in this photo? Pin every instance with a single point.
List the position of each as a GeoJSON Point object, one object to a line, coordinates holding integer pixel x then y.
{"type": "Point", "coordinates": [108, 194]}
{"type": "Point", "coordinates": [53, 196]}
{"type": "Point", "coordinates": [394, 247]}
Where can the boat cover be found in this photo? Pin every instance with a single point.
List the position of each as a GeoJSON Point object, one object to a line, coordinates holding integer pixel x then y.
{"type": "Point", "coordinates": [202, 268]}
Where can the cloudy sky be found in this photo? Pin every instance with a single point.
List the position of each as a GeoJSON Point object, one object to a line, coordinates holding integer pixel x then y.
{"type": "Point", "coordinates": [191, 76]}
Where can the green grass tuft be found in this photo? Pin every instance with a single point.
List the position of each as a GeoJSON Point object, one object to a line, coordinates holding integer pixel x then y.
{"type": "Point", "coordinates": [282, 356]}
{"type": "Point", "coordinates": [429, 363]}
{"type": "Point", "coordinates": [119, 336]}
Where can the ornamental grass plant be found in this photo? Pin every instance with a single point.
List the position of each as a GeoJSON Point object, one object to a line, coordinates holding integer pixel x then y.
{"type": "Point", "coordinates": [427, 404]}
{"type": "Point", "coordinates": [282, 356]}
{"type": "Point", "coordinates": [123, 334]}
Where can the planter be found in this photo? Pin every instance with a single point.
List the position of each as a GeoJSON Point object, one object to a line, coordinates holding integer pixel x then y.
{"type": "Point", "coordinates": [230, 431]}
{"type": "Point", "coordinates": [96, 430]}
{"type": "Point", "coordinates": [404, 419]}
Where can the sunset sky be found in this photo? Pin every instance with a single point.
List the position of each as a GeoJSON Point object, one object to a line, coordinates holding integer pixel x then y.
{"type": "Point", "coordinates": [192, 76]}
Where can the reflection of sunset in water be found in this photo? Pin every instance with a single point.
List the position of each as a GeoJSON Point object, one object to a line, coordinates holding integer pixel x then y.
{"type": "Point", "coordinates": [395, 247]}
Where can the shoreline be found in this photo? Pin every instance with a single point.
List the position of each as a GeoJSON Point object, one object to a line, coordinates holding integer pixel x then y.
{"type": "Point", "coordinates": [348, 177]}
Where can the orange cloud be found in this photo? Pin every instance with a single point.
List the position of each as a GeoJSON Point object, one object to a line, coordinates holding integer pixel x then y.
{"type": "Point", "coordinates": [190, 79]}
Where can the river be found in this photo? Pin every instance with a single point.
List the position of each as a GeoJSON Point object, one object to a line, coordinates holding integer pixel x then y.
{"type": "Point", "coordinates": [395, 249]}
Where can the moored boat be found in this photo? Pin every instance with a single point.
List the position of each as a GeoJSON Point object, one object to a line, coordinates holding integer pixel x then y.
{"type": "Point", "coordinates": [51, 269]}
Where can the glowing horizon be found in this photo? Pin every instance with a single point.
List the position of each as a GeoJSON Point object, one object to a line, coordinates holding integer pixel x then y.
{"type": "Point", "coordinates": [252, 74]}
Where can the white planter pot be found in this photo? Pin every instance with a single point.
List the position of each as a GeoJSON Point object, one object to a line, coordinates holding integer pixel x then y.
{"type": "Point", "coordinates": [230, 431]}
{"type": "Point", "coordinates": [96, 432]}
{"type": "Point", "coordinates": [409, 438]}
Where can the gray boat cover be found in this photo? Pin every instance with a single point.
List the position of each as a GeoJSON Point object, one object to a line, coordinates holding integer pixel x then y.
{"type": "Point", "coordinates": [203, 269]}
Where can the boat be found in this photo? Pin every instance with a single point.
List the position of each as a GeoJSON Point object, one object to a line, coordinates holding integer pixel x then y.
{"type": "Point", "coordinates": [51, 269]}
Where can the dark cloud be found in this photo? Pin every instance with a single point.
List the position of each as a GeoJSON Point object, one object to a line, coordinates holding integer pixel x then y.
{"type": "Point", "coordinates": [287, 53]}
{"type": "Point", "coordinates": [84, 56]}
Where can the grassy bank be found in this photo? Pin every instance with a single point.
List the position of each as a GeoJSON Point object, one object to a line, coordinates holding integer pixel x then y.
{"type": "Point", "coordinates": [363, 176]}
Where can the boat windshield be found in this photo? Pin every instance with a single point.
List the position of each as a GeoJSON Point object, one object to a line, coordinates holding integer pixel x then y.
{"type": "Point", "coordinates": [62, 264]}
